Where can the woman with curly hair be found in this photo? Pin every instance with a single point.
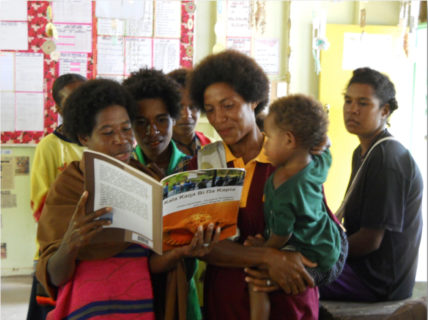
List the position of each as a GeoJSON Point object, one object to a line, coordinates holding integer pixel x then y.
{"type": "Point", "coordinates": [90, 270]}
{"type": "Point", "coordinates": [232, 89]}
{"type": "Point", "coordinates": [184, 135]}
{"type": "Point", "coordinates": [383, 212]}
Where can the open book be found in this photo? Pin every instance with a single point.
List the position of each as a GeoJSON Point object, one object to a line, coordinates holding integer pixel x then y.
{"type": "Point", "coordinates": [165, 214]}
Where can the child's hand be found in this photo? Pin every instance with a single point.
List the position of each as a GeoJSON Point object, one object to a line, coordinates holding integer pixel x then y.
{"type": "Point", "coordinates": [319, 149]}
{"type": "Point", "coordinates": [257, 241]}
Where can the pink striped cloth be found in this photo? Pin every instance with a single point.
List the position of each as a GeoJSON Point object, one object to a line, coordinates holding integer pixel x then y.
{"type": "Point", "coordinates": [115, 288]}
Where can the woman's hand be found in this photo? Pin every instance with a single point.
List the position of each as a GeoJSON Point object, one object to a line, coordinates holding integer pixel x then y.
{"type": "Point", "coordinates": [81, 229]}
{"type": "Point", "coordinates": [261, 280]}
{"type": "Point", "coordinates": [202, 242]}
{"type": "Point", "coordinates": [200, 245]}
{"type": "Point", "coordinates": [287, 270]}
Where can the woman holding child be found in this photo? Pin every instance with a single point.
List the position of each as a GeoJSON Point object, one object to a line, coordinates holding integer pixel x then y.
{"type": "Point", "coordinates": [89, 269]}
{"type": "Point", "coordinates": [232, 89]}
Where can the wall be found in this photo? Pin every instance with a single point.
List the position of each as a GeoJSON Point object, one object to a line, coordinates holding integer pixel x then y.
{"type": "Point", "coordinates": [18, 229]}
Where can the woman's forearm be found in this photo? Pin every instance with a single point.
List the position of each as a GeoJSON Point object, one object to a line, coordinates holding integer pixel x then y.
{"type": "Point", "coordinates": [227, 253]}
{"type": "Point", "coordinates": [165, 262]}
{"type": "Point", "coordinates": [61, 266]}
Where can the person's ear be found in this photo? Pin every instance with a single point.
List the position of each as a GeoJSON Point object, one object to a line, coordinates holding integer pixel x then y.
{"type": "Point", "coordinates": [84, 140]}
{"type": "Point", "coordinates": [290, 139]}
{"type": "Point", "coordinates": [386, 110]}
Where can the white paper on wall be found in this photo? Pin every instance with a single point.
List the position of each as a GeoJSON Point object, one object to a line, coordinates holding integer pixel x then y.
{"type": "Point", "coordinates": [13, 10]}
{"type": "Point", "coordinates": [76, 11]}
{"type": "Point", "coordinates": [73, 63]}
{"type": "Point", "coordinates": [241, 44]}
{"type": "Point", "coordinates": [167, 19]}
{"type": "Point", "coordinates": [13, 35]}
{"type": "Point", "coordinates": [74, 37]}
{"type": "Point", "coordinates": [266, 53]}
{"type": "Point", "coordinates": [110, 55]}
{"type": "Point", "coordinates": [7, 67]}
{"type": "Point", "coordinates": [166, 54]}
{"type": "Point", "coordinates": [29, 111]}
{"type": "Point", "coordinates": [29, 72]}
{"type": "Point", "coordinates": [7, 103]}
{"type": "Point", "coordinates": [138, 54]}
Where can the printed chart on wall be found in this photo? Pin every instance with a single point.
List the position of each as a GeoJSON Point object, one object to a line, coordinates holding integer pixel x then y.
{"type": "Point", "coordinates": [41, 40]}
{"type": "Point", "coordinates": [244, 20]}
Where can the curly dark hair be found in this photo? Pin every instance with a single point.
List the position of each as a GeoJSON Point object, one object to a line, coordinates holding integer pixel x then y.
{"type": "Point", "coordinates": [180, 76]}
{"type": "Point", "coordinates": [84, 103]}
{"type": "Point", "coordinates": [383, 87]}
{"type": "Point", "coordinates": [154, 84]}
{"type": "Point", "coordinates": [63, 81]}
{"type": "Point", "coordinates": [303, 116]}
{"type": "Point", "coordinates": [238, 70]}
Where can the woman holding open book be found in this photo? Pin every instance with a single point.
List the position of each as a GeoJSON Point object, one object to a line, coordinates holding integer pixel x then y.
{"type": "Point", "coordinates": [81, 265]}
{"type": "Point", "coordinates": [232, 89]}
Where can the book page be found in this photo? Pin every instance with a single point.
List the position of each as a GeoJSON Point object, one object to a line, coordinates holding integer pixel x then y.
{"type": "Point", "coordinates": [130, 198]}
{"type": "Point", "coordinates": [200, 197]}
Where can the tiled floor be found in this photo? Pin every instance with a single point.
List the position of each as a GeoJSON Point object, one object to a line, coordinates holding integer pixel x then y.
{"type": "Point", "coordinates": [15, 294]}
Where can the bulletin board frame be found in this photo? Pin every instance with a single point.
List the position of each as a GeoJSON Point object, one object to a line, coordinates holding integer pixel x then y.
{"type": "Point", "coordinates": [37, 20]}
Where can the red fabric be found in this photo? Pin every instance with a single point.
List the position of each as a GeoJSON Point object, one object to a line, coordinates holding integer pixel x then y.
{"type": "Point", "coordinates": [106, 289]}
{"type": "Point", "coordinates": [202, 138]}
{"type": "Point", "coordinates": [38, 211]}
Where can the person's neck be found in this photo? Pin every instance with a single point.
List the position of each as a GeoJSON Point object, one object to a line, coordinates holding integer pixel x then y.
{"type": "Point", "coordinates": [185, 139]}
{"type": "Point", "coordinates": [367, 141]}
{"type": "Point", "coordinates": [295, 164]}
{"type": "Point", "coordinates": [162, 160]}
{"type": "Point", "coordinates": [248, 147]}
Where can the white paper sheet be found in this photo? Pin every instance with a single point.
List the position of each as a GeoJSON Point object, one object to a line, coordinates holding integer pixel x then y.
{"type": "Point", "coordinates": [110, 55]}
{"type": "Point", "coordinates": [7, 104]}
{"type": "Point", "coordinates": [140, 28]}
{"type": "Point", "coordinates": [7, 67]}
{"type": "Point", "coordinates": [238, 15]}
{"type": "Point", "coordinates": [266, 53]}
{"type": "Point", "coordinates": [77, 11]}
{"type": "Point", "coordinates": [29, 111]}
{"type": "Point", "coordinates": [29, 72]}
{"type": "Point", "coordinates": [124, 9]}
{"type": "Point", "coordinates": [110, 27]}
{"type": "Point", "coordinates": [73, 63]}
{"type": "Point", "coordinates": [367, 50]}
{"type": "Point", "coordinates": [138, 54]}
{"type": "Point", "coordinates": [168, 18]}
{"type": "Point", "coordinates": [13, 35]}
{"type": "Point", "coordinates": [166, 54]}
{"type": "Point", "coordinates": [74, 38]}
{"type": "Point", "coordinates": [13, 10]}
{"type": "Point", "coordinates": [241, 44]}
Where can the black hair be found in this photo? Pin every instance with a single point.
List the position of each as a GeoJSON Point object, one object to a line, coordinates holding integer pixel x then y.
{"type": "Point", "coordinates": [303, 116]}
{"type": "Point", "coordinates": [238, 70]}
{"type": "Point", "coordinates": [383, 87]}
{"type": "Point", "coordinates": [154, 84]}
{"type": "Point", "coordinates": [63, 81]}
{"type": "Point", "coordinates": [180, 76]}
{"type": "Point", "coordinates": [83, 104]}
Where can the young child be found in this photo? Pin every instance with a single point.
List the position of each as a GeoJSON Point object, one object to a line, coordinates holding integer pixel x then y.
{"type": "Point", "coordinates": [295, 215]}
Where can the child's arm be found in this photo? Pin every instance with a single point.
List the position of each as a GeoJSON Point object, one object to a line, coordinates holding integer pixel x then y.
{"type": "Point", "coordinates": [276, 241]}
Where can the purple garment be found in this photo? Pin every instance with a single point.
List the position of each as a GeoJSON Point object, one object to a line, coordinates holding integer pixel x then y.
{"type": "Point", "coordinates": [348, 287]}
